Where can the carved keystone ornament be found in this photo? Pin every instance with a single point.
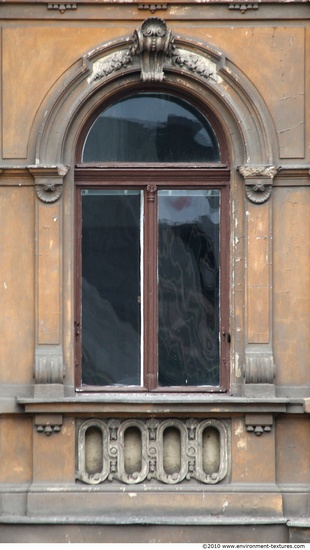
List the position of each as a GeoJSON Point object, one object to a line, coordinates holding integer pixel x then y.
{"type": "Point", "coordinates": [154, 48]}
{"type": "Point", "coordinates": [152, 42]}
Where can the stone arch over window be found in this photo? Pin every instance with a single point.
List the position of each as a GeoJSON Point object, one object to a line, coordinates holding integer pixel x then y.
{"type": "Point", "coordinates": [153, 54]}
{"type": "Point", "coordinates": [198, 69]}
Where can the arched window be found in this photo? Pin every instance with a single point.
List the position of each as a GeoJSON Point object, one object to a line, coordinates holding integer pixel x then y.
{"type": "Point", "coordinates": [152, 222]}
{"type": "Point", "coordinates": [151, 127]}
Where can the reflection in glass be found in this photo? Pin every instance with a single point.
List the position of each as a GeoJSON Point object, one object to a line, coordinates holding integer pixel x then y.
{"type": "Point", "coordinates": [188, 287]}
{"type": "Point", "coordinates": [151, 127]}
{"type": "Point", "coordinates": [111, 317]}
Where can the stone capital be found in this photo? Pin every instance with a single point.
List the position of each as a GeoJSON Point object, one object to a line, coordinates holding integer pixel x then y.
{"type": "Point", "coordinates": [258, 182]}
{"type": "Point", "coordinates": [48, 181]}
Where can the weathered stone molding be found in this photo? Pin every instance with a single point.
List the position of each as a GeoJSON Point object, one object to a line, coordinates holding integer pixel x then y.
{"type": "Point", "coordinates": [258, 171]}
{"type": "Point", "coordinates": [259, 368]}
{"type": "Point", "coordinates": [259, 376]}
{"type": "Point", "coordinates": [152, 7]}
{"type": "Point", "coordinates": [243, 7]}
{"type": "Point", "coordinates": [307, 405]}
{"type": "Point", "coordinates": [258, 424]}
{"type": "Point", "coordinates": [91, 78]}
{"type": "Point", "coordinates": [48, 181]}
{"type": "Point", "coordinates": [49, 191]}
{"type": "Point", "coordinates": [153, 47]}
{"type": "Point", "coordinates": [49, 368]}
{"type": "Point", "coordinates": [196, 64]}
{"type": "Point", "coordinates": [62, 7]}
{"type": "Point", "coordinates": [258, 182]}
{"type": "Point", "coordinates": [152, 42]}
{"type": "Point", "coordinates": [110, 64]}
{"type": "Point", "coordinates": [49, 365]}
{"type": "Point", "coordinates": [200, 447]}
{"type": "Point", "coordinates": [48, 423]}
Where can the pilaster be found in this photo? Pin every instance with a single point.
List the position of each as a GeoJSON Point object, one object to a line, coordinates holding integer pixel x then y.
{"type": "Point", "coordinates": [49, 365]}
{"type": "Point", "coordinates": [259, 369]}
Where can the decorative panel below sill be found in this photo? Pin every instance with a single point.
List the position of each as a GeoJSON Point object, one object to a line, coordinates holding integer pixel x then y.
{"type": "Point", "coordinates": [169, 451]}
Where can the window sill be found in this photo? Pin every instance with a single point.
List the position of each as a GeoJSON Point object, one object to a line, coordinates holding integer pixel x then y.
{"type": "Point", "coordinates": [163, 404]}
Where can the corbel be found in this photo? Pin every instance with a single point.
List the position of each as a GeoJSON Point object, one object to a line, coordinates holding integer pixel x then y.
{"type": "Point", "coordinates": [48, 365]}
{"type": "Point", "coordinates": [152, 7]}
{"type": "Point", "coordinates": [258, 182]}
{"type": "Point", "coordinates": [258, 423]}
{"type": "Point", "coordinates": [243, 7]}
{"type": "Point", "coordinates": [48, 424]}
{"type": "Point", "coordinates": [259, 368]}
{"type": "Point", "coordinates": [48, 181]}
{"type": "Point", "coordinates": [62, 7]}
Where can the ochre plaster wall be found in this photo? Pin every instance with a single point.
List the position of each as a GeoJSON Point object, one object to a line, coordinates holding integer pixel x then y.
{"type": "Point", "coordinates": [291, 268]}
{"type": "Point", "coordinates": [17, 289]}
{"type": "Point", "coordinates": [56, 49]}
{"type": "Point", "coordinates": [35, 55]}
{"type": "Point", "coordinates": [15, 450]}
{"type": "Point", "coordinates": [279, 78]}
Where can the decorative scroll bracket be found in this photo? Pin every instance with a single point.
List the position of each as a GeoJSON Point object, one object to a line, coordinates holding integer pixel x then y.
{"type": "Point", "coordinates": [259, 373]}
{"type": "Point", "coordinates": [258, 182]}
{"type": "Point", "coordinates": [49, 367]}
{"type": "Point", "coordinates": [259, 368]}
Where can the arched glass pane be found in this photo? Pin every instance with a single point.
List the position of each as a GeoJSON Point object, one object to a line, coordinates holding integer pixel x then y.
{"type": "Point", "coordinates": [151, 127]}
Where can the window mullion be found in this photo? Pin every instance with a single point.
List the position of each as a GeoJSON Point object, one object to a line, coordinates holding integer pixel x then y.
{"type": "Point", "coordinates": [150, 288]}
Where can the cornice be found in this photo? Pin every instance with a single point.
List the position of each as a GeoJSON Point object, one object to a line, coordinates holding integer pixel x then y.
{"type": "Point", "coordinates": [230, 4]}
{"type": "Point", "coordinates": [41, 170]}
{"type": "Point", "coordinates": [259, 180]}
{"type": "Point", "coordinates": [14, 171]}
{"type": "Point", "coordinates": [294, 171]}
{"type": "Point", "coordinates": [118, 9]}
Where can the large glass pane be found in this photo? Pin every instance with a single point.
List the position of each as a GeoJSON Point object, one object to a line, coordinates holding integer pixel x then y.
{"type": "Point", "coordinates": [151, 127]}
{"type": "Point", "coordinates": [188, 287]}
{"type": "Point", "coordinates": [111, 287]}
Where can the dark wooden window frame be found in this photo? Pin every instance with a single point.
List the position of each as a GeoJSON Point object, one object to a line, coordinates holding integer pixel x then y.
{"type": "Point", "coordinates": [151, 178]}
{"type": "Point", "coordinates": [162, 176]}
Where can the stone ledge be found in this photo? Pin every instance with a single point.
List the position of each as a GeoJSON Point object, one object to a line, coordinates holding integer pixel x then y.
{"type": "Point", "coordinates": [307, 405]}
{"type": "Point", "coordinates": [177, 520]}
{"type": "Point", "coordinates": [161, 404]}
{"type": "Point", "coordinates": [157, 506]}
{"type": "Point", "coordinates": [299, 522]}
